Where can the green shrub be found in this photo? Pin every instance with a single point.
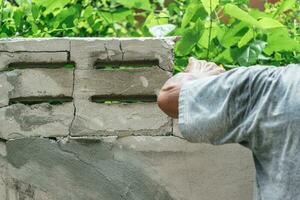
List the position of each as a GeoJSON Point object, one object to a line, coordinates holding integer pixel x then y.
{"type": "Point", "coordinates": [227, 32]}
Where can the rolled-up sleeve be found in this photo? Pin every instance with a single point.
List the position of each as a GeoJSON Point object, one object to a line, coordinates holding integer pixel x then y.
{"type": "Point", "coordinates": [213, 109]}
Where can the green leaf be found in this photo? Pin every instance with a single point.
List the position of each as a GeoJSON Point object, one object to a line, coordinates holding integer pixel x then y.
{"type": "Point", "coordinates": [117, 16]}
{"type": "Point", "coordinates": [210, 5]}
{"type": "Point", "coordinates": [278, 39]}
{"type": "Point", "coordinates": [234, 11]}
{"type": "Point", "coordinates": [66, 16]}
{"type": "Point", "coordinates": [18, 16]}
{"type": "Point", "coordinates": [224, 57]}
{"type": "Point", "coordinates": [205, 40]}
{"type": "Point", "coordinates": [189, 39]}
{"type": "Point", "coordinates": [34, 28]}
{"type": "Point", "coordinates": [189, 14]}
{"type": "Point", "coordinates": [246, 38]}
{"type": "Point", "coordinates": [248, 55]}
{"type": "Point", "coordinates": [233, 35]}
{"type": "Point", "coordinates": [257, 14]}
{"type": "Point", "coordinates": [88, 11]}
{"type": "Point", "coordinates": [35, 10]}
{"type": "Point", "coordinates": [51, 5]}
{"type": "Point", "coordinates": [285, 5]}
{"type": "Point", "coordinates": [180, 63]}
{"type": "Point", "coordinates": [153, 20]}
{"type": "Point", "coordinates": [267, 23]}
{"type": "Point", "coordinates": [141, 4]}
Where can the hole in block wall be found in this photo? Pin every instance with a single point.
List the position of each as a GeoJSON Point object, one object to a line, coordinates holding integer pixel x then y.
{"type": "Point", "coordinates": [116, 99]}
{"type": "Point", "coordinates": [110, 65]}
{"type": "Point", "coordinates": [54, 65]}
{"type": "Point", "coordinates": [38, 100]}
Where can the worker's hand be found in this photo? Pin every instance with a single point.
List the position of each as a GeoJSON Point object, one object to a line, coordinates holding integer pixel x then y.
{"type": "Point", "coordinates": [168, 98]}
{"type": "Point", "coordinates": [203, 68]}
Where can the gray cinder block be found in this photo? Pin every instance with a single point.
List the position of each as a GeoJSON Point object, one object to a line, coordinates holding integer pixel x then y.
{"type": "Point", "coordinates": [20, 121]}
{"type": "Point", "coordinates": [31, 57]}
{"type": "Point", "coordinates": [139, 81]}
{"type": "Point", "coordinates": [34, 84]}
{"type": "Point", "coordinates": [96, 119]}
{"type": "Point", "coordinates": [86, 52]}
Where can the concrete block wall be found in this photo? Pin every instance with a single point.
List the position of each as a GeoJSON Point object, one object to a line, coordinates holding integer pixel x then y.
{"type": "Point", "coordinates": [78, 120]}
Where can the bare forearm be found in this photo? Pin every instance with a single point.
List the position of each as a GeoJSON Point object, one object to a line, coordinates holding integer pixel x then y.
{"type": "Point", "coordinates": [169, 94]}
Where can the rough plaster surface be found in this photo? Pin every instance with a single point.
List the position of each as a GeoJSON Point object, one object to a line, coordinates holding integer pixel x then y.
{"type": "Point", "coordinates": [19, 120]}
{"type": "Point", "coordinates": [119, 119]}
{"type": "Point", "coordinates": [39, 83]}
{"type": "Point", "coordinates": [129, 168]}
{"type": "Point", "coordinates": [86, 52]}
{"type": "Point", "coordinates": [79, 149]}
{"type": "Point", "coordinates": [139, 81]}
{"type": "Point", "coordinates": [7, 58]}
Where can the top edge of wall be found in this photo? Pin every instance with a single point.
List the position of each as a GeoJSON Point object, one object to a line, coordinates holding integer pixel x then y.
{"type": "Point", "coordinates": [53, 38]}
{"type": "Point", "coordinates": [20, 44]}
{"type": "Point", "coordinates": [21, 39]}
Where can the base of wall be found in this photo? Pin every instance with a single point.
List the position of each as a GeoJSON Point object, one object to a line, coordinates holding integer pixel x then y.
{"type": "Point", "coordinates": [135, 167]}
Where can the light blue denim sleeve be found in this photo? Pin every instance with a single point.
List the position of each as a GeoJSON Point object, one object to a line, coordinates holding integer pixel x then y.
{"type": "Point", "coordinates": [213, 109]}
{"type": "Point", "coordinates": [257, 107]}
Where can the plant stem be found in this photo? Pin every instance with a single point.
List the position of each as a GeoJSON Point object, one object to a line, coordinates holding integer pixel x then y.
{"type": "Point", "coordinates": [210, 30]}
{"type": "Point", "coordinates": [1, 15]}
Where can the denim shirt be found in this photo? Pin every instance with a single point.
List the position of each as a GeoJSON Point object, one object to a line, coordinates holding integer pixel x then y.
{"type": "Point", "coordinates": [257, 107]}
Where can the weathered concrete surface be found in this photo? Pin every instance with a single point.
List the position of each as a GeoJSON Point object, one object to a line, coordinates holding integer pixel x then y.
{"type": "Point", "coordinates": [19, 120]}
{"type": "Point", "coordinates": [86, 52]}
{"type": "Point", "coordinates": [149, 49]}
{"type": "Point", "coordinates": [123, 119]}
{"type": "Point", "coordinates": [34, 44]}
{"type": "Point", "coordinates": [7, 58]}
{"type": "Point", "coordinates": [2, 148]}
{"type": "Point", "coordinates": [132, 168]}
{"type": "Point", "coordinates": [24, 83]}
{"type": "Point", "coordinates": [5, 87]}
{"type": "Point", "coordinates": [140, 81]}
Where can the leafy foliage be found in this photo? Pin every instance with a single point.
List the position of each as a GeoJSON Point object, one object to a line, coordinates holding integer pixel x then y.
{"type": "Point", "coordinates": [247, 37]}
{"type": "Point", "coordinates": [227, 32]}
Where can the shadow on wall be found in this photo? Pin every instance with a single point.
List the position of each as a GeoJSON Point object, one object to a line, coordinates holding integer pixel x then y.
{"type": "Point", "coordinates": [132, 168]}
{"type": "Point", "coordinates": [86, 170]}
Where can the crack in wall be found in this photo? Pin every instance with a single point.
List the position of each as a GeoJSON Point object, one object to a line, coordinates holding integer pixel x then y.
{"type": "Point", "coordinates": [74, 104]}
{"type": "Point", "coordinates": [122, 53]}
{"type": "Point", "coordinates": [84, 162]}
{"type": "Point", "coordinates": [73, 91]}
{"type": "Point", "coordinates": [107, 53]}
{"type": "Point", "coordinates": [160, 67]}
